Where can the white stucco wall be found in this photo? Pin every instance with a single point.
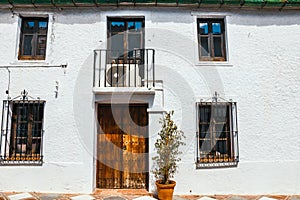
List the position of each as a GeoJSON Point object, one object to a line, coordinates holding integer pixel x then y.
{"type": "Point", "coordinates": [262, 76]}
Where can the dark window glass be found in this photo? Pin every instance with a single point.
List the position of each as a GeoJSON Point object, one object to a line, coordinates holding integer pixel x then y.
{"type": "Point", "coordinates": [217, 46]}
{"type": "Point", "coordinates": [203, 28]}
{"type": "Point", "coordinates": [204, 46]}
{"type": "Point", "coordinates": [33, 38]}
{"type": "Point", "coordinates": [117, 45]}
{"type": "Point", "coordinates": [216, 28]}
{"type": "Point", "coordinates": [26, 128]}
{"type": "Point", "coordinates": [117, 26]}
{"type": "Point", "coordinates": [27, 44]}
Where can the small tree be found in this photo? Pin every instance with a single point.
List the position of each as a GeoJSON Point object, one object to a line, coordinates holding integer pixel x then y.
{"type": "Point", "coordinates": [167, 148]}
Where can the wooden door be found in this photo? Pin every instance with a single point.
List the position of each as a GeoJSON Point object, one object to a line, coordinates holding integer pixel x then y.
{"type": "Point", "coordinates": [122, 146]}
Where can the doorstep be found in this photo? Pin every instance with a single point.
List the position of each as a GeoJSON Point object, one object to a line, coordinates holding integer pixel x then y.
{"type": "Point", "coordinates": [140, 192]}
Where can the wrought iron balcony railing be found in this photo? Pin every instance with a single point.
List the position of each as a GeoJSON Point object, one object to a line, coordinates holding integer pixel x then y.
{"type": "Point", "coordinates": [114, 68]}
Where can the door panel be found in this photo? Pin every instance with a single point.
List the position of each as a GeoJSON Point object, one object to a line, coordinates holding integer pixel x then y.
{"type": "Point", "coordinates": [122, 146]}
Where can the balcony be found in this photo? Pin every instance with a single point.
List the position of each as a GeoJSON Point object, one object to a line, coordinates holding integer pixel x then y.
{"type": "Point", "coordinates": [121, 69]}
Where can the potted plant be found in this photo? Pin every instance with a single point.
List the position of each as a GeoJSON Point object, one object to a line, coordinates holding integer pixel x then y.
{"type": "Point", "coordinates": [167, 147]}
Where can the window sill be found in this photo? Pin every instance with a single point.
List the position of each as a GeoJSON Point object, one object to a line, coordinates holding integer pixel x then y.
{"type": "Point", "coordinates": [216, 165]}
{"type": "Point", "coordinates": [21, 162]}
{"type": "Point", "coordinates": [29, 64]}
{"type": "Point", "coordinates": [123, 90]}
{"type": "Point", "coordinates": [216, 64]}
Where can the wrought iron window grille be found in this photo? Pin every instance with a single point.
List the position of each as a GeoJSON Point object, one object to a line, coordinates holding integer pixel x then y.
{"type": "Point", "coordinates": [21, 141]}
{"type": "Point", "coordinates": [217, 133]}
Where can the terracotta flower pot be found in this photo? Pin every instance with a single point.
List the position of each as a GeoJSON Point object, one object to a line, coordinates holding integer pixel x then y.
{"type": "Point", "coordinates": [165, 191]}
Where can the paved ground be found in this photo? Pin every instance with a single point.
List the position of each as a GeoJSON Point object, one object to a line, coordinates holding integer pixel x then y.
{"type": "Point", "coordinates": [109, 195]}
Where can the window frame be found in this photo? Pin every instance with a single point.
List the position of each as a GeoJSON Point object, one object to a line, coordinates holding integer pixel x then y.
{"type": "Point", "coordinates": [21, 141]}
{"type": "Point", "coordinates": [223, 35]}
{"type": "Point", "coordinates": [125, 58]}
{"type": "Point", "coordinates": [214, 157]}
{"type": "Point", "coordinates": [35, 34]}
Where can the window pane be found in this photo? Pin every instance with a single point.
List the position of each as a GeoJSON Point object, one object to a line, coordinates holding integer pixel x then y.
{"type": "Point", "coordinates": [217, 46]}
{"type": "Point", "coordinates": [204, 123]}
{"type": "Point", "coordinates": [117, 45]}
{"type": "Point", "coordinates": [117, 26]}
{"type": "Point", "coordinates": [223, 132]}
{"type": "Point", "coordinates": [220, 128]}
{"type": "Point", "coordinates": [134, 42]}
{"type": "Point", "coordinates": [138, 26]}
{"type": "Point", "coordinates": [37, 130]}
{"type": "Point", "coordinates": [21, 146]}
{"type": "Point", "coordinates": [38, 112]}
{"type": "Point", "coordinates": [205, 145]}
{"type": "Point", "coordinates": [27, 44]}
{"type": "Point", "coordinates": [28, 27]}
{"type": "Point", "coordinates": [22, 113]}
{"type": "Point", "coordinates": [22, 130]}
{"type": "Point", "coordinates": [204, 128]}
{"type": "Point", "coordinates": [203, 28]}
{"type": "Point", "coordinates": [220, 113]}
{"type": "Point", "coordinates": [216, 28]}
{"type": "Point", "coordinates": [42, 27]}
{"type": "Point", "coordinates": [36, 146]}
{"type": "Point", "coordinates": [41, 46]}
{"type": "Point", "coordinates": [221, 147]}
{"type": "Point", "coordinates": [204, 131]}
{"type": "Point", "coordinates": [205, 112]}
{"type": "Point", "coordinates": [134, 26]}
{"type": "Point", "coordinates": [204, 50]}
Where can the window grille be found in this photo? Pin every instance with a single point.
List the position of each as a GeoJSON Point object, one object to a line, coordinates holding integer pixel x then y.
{"type": "Point", "coordinates": [217, 135]}
{"type": "Point", "coordinates": [22, 131]}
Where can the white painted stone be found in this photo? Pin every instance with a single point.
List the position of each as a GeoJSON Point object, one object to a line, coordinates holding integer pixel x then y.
{"type": "Point", "coordinates": [144, 198]}
{"type": "Point", "coordinates": [267, 198]}
{"type": "Point", "coordinates": [83, 197]}
{"type": "Point", "coordinates": [19, 196]}
{"type": "Point", "coordinates": [206, 198]}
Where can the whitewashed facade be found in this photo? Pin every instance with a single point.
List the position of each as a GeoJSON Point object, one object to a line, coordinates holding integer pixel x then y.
{"type": "Point", "coordinates": [261, 74]}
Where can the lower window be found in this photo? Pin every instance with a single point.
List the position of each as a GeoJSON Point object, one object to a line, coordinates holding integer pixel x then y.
{"type": "Point", "coordinates": [22, 131]}
{"type": "Point", "coordinates": [217, 134]}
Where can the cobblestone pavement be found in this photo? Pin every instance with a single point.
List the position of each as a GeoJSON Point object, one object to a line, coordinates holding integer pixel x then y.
{"type": "Point", "coordinates": [112, 195]}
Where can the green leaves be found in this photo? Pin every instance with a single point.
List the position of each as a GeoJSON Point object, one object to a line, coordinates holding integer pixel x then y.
{"type": "Point", "coordinates": [167, 147]}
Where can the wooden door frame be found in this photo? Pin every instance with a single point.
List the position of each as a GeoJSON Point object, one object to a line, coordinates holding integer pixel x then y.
{"type": "Point", "coordinates": [97, 143]}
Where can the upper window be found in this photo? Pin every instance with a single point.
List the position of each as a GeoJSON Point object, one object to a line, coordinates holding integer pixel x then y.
{"type": "Point", "coordinates": [211, 39]}
{"type": "Point", "coordinates": [33, 38]}
{"type": "Point", "coordinates": [125, 39]}
{"type": "Point", "coordinates": [22, 131]}
{"type": "Point", "coordinates": [217, 137]}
